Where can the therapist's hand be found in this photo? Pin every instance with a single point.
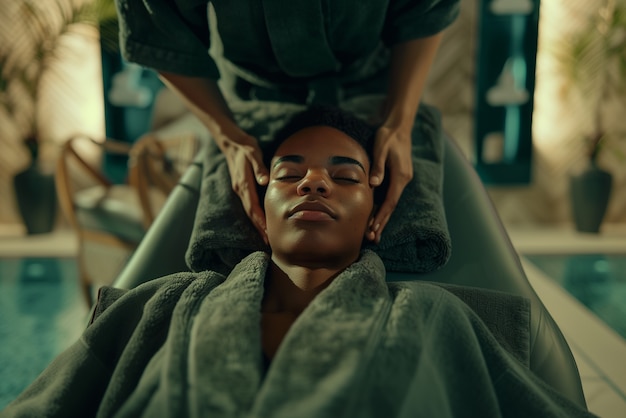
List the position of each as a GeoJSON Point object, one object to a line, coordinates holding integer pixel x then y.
{"type": "Point", "coordinates": [243, 154]}
{"type": "Point", "coordinates": [245, 164]}
{"type": "Point", "coordinates": [392, 150]}
{"type": "Point", "coordinates": [410, 63]}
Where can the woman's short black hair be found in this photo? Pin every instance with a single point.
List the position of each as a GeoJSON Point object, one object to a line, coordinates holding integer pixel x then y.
{"type": "Point", "coordinates": [324, 115]}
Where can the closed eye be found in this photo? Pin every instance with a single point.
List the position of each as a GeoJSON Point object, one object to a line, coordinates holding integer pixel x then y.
{"type": "Point", "coordinates": [349, 175]}
{"type": "Point", "coordinates": [347, 180]}
{"type": "Point", "coordinates": [286, 173]}
{"type": "Point", "coordinates": [289, 178]}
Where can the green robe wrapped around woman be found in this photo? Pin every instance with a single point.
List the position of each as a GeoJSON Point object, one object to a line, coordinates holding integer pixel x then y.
{"type": "Point", "coordinates": [189, 345]}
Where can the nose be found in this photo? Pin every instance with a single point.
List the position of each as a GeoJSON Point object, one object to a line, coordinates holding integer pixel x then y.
{"type": "Point", "coordinates": [314, 183]}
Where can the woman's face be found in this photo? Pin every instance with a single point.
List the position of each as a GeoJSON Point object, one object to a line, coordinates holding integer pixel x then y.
{"type": "Point", "coordinates": [318, 202]}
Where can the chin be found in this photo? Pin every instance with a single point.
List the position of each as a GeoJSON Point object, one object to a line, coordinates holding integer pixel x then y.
{"type": "Point", "coordinates": [315, 245]}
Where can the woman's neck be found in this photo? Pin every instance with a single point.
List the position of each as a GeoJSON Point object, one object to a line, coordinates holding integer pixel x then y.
{"type": "Point", "coordinates": [290, 288]}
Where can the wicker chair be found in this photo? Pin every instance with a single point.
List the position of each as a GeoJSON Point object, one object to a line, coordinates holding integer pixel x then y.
{"type": "Point", "coordinates": [116, 216]}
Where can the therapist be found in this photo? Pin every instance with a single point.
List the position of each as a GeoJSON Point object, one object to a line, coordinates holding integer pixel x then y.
{"type": "Point", "coordinates": [298, 52]}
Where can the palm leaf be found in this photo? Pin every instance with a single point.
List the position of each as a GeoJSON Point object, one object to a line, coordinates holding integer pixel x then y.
{"type": "Point", "coordinates": [593, 64]}
{"type": "Point", "coordinates": [586, 59]}
{"type": "Point", "coordinates": [37, 45]}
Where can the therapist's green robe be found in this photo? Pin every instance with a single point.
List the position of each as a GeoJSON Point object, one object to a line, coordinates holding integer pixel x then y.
{"type": "Point", "coordinates": [282, 42]}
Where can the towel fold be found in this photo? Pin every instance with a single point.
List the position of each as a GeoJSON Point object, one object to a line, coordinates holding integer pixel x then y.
{"type": "Point", "coordinates": [416, 239]}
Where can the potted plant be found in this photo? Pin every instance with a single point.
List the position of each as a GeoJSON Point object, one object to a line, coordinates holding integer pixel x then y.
{"type": "Point", "coordinates": [24, 63]}
{"type": "Point", "coordinates": [593, 63]}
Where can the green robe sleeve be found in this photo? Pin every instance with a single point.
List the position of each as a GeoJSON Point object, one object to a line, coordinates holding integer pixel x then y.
{"type": "Point", "coordinates": [410, 19]}
{"type": "Point", "coordinates": [167, 35]}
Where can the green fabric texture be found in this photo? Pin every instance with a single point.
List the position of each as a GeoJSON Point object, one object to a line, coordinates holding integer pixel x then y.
{"type": "Point", "coordinates": [190, 345]}
{"type": "Point", "coordinates": [167, 36]}
{"type": "Point", "coordinates": [281, 41]}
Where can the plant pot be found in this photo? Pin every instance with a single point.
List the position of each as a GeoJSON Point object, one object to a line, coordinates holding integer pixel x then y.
{"type": "Point", "coordinates": [36, 199]}
{"type": "Point", "coordinates": [590, 192]}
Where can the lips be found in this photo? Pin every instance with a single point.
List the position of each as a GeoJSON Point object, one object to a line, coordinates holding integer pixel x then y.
{"type": "Point", "coordinates": [312, 206]}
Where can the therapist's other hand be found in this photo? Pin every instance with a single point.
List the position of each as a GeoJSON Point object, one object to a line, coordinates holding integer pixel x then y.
{"type": "Point", "coordinates": [246, 168]}
{"type": "Point", "coordinates": [392, 150]}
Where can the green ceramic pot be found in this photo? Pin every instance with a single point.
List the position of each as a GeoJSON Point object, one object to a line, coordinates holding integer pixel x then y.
{"type": "Point", "coordinates": [36, 199]}
{"type": "Point", "coordinates": [590, 192]}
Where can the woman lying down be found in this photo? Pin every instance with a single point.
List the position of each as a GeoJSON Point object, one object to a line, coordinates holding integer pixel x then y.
{"type": "Point", "coordinates": [310, 330]}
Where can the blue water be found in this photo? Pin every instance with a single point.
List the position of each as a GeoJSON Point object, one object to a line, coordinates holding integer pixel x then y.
{"type": "Point", "coordinates": [598, 281]}
{"type": "Point", "coordinates": [41, 313]}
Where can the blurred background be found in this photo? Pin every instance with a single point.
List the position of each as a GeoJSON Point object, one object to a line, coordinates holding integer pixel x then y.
{"type": "Point", "coordinates": [69, 98]}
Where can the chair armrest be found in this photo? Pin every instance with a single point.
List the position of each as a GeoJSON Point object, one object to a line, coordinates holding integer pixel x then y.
{"type": "Point", "coordinates": [63, 178]}
{"type": "Point", "coordinates": [157, 164]}
{"type": "Point", "coordinates": [112, 146]}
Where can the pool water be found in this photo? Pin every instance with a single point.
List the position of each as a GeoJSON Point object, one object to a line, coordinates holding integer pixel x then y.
{"type": "Point", "coordinates": [598, 281]}
{"type": "Point", "coordinates": [41, 313]}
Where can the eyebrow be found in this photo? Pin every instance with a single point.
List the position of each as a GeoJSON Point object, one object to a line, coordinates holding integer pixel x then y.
{"type": "Point", "coordinates": [345, 160]}
{"type": "Point", "coordinates": [335, 160]}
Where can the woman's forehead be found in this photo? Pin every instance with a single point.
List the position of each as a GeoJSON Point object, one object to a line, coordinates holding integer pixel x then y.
{"type": "Point", "coordinates": [320, 142]}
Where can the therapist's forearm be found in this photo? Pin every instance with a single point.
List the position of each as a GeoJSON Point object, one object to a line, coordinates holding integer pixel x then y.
{"type": "Point", "coordinates": [204, 98]}
{"type": "Point", "coordinates": [410, 64]}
